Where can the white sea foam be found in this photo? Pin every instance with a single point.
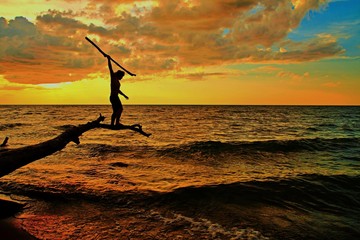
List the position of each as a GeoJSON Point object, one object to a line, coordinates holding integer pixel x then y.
{"type": "Point", "coordinates": [206, 227]}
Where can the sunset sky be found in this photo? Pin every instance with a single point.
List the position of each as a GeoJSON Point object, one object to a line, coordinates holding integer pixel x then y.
{"type": "Point", "coordinates": [182, 51]}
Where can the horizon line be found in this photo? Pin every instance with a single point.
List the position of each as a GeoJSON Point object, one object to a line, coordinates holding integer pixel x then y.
{"type": "Point", "coordinates": [183, 104]}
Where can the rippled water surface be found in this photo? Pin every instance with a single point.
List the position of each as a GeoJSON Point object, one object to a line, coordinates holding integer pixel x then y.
{"type": "Point", "coordinates": [296, 166]}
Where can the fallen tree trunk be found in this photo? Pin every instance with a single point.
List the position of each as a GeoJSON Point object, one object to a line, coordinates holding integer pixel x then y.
{"type": "Point", "coordinates": [13, 159]}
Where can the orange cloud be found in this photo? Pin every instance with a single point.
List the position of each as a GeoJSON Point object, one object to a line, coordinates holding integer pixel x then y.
{"type": "Point", "coordinates": [10, 86]}
{"type": "Point", "coordinates": [29, 55]}
{"type": "Point", "coordinates": [201, 75]}
{"type": "Point", "coordinates": [332, 84]}
{"type": "Point", "coordinates": [157, 36]}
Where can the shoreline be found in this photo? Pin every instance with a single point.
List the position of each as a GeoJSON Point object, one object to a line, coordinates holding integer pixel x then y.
{"type": "Point", "coordinates": [10, 229]}
{"type": "Point", "coordinates": [9, 226]}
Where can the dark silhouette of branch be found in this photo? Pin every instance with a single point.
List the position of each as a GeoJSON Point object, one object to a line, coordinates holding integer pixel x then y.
{"type": "Point", "coordinates": [134, 127]}
{"type": "Point", "coordinates": [4, 142]}
{"type": "Point", "coordinates": [13, 159]}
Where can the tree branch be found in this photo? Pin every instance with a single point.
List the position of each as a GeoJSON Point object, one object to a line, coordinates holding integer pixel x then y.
{"type": "Point", "coordinates": [13, 159]}
{"type": "Point", "coordinates": [4, 142]}
{"type": "Point", "coordinates": [134, 127]}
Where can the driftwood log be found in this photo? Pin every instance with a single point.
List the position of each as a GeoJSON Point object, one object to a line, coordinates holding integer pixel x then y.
{"type": "Point", "coordinates": [12, 159]}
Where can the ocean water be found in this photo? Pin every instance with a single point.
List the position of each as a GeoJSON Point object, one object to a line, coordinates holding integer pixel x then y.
{"type": "Point", "coordinates": [206, 172]}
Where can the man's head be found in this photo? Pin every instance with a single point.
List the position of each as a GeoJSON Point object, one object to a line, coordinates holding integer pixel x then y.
{"type": "Point", "coordinates": [119, 74]}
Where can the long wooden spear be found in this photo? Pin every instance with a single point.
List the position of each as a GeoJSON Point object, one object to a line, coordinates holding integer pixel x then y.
{"type": "Point", "coordinates": [103, 53]}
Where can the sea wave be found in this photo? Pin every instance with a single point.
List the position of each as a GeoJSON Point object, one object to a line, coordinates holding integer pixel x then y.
{"type": "Point", "coordinates": [104, 150]}
{"type": "Point", "coordinates": [294, 203]}
{"type": "Point", "coordinates": [303, 207]}
{"type": "Point", "coordinates": [308, 192]}
{"type": "Point", "coordinates": [207, 150]}
{"type": "Point", "coordinates": [304, 192]}
{"type": "Point", "coordinates": [7, 126]}
{"type": "Point", "coordinates": [215, 148]}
